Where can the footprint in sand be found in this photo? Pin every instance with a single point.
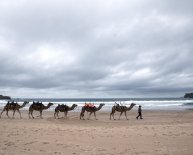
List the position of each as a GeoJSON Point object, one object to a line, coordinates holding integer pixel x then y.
{"type": "Point", "coordinates": [57, 152]}
{"type": "Point", "coordinates": [45, 142]}
{"type": "Point", "coordinates": [30, 143]}
{"type": "Point", "coordinates": [9, 143]}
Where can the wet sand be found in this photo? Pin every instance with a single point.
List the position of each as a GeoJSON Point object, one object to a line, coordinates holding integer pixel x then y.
{"type": "Point", "coordinates": [159, 133]}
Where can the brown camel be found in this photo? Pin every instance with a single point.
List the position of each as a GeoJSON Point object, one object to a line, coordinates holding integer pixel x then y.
{"type": "Point", "coordinates": [91, 110]}
{"type": "Point", "coordinates": [63, 108]}
{"type": "Point", "coordinates": [121, 109]}
{"type": "Point", "coordinates": [38, 107]}
{"type": "Point", "coordinates": [13, 106]}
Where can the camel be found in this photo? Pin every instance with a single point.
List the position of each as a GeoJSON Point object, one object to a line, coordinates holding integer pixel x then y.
{"type": "Point", "coordinates": [63, 108]}
{"type": "Point", "coordinates": [13, 106]}
{"type": "Point", "coordinates": [38, 107]}
{"type": "Point", "coordinates": [91, 110]}
{"type": "Point", "coordinates": [121, 109]}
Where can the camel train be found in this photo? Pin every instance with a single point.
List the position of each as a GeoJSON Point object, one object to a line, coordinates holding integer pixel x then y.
{"type": "Point", "coordinates": [89, 108]}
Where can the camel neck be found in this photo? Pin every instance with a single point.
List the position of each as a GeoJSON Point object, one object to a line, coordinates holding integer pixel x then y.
{"type": "Point", "coordinates": [100, 106]}
{"type": "Point", "coordinates": [129, 108]}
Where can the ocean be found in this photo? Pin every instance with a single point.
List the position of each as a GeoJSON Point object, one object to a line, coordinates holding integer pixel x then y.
{"type": "Point", "coordinates": [146, 103]}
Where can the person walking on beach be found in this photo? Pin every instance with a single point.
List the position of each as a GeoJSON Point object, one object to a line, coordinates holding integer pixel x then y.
{"type": "Point", "coordinates": [139, 113]}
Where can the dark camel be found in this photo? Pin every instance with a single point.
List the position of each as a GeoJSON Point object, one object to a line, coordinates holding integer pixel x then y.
{"type": "Point", "coordinates": [91, 110]}
{"type": "Point", "coordinates": [63, 108]}
{"type": "Point", "coordinates": [13, 106]}
{"type": "Point", "coordinates": [121, 109]}
{"type": "Point", "coordinates": [38, 107]}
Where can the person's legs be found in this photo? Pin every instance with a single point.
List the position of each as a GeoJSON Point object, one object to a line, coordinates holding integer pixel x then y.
{"type": "Point", "coordinates": [137, 116]}
{"type": "Point", "coordinates": [140, 115]}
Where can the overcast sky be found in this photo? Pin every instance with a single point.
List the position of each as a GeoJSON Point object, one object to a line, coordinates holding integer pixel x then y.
{"type": "Point", "coordinates": [102, 48]}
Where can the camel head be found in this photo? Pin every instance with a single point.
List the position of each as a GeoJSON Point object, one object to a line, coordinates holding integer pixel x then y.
{"type": "Point", "coordinates": [25, 102]}
{"type": "Point", "coordinates": [102, 104]}
{"type": "Point", "coordinates": [50, 104]}
{"type": "Point", "coordinates": [132, 104]}
{"type": "Point", "coordinates": [74, 105]}
{"type": "Point", "coordinates": [99, 107]}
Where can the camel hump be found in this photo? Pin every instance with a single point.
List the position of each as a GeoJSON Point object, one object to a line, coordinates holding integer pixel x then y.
{"type": "Point", "coordinates": [63, 106]}
{"type": "Point", "coordinates": [89, 105]}
{"type": "Point", "coordinates": [38, 104]}
{"type": "Point", "coordinates": [123, 107]}
{"type": "Point", "coordinates": [13, 103]}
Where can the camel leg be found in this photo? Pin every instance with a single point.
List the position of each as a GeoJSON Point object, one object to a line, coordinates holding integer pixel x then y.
{"type": "Point", "coordinates": [41, 114]}
{"type": "Point", "coordinates": [82, 115]}
{"type": "Point", "coordinates": [89, 115]}
{"type": "Point", "coordinates": [66, 112]}
{"type": "Point", "coordinates": [95, 116]}
{"type": "Point", "coordinates": [19, 113]}
{"type": "Point", "coordinates": [120, 115]}
{"type": "Point", "coordinates": [32, 114]}
{"type": "Point", "coordinates": [29, 114]}
{"type": "Point", "coordinates": [2, 112]}
{"type": "Point", "coordinates": [7, 114]}
{"type": "Point", "coordinates": [57, 114]}
{"type": "Point", "coordinates": [112, 114]}
{"type": "Point", "coordinates": [13, 114]}
{"type": "Point", "coordinates": [126, 115]}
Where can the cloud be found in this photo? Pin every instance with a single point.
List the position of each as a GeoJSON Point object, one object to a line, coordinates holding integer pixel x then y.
{"type": "Point", "coordinates": [95, 49]}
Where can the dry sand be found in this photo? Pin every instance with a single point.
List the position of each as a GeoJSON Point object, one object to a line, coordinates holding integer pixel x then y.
{"type": "Point", "coordinates": [159, 133]}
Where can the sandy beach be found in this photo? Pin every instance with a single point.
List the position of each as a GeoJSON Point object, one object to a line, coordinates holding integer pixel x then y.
{"type": "Point", "coordinates": [159, 133]}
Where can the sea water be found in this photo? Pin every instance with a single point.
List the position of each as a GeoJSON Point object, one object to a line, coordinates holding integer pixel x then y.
{"type": "Point", "coordinates": [146, 103]}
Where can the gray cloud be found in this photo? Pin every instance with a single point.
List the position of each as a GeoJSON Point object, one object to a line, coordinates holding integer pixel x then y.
{"type": "Point", "coordinates": [96, 49]}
